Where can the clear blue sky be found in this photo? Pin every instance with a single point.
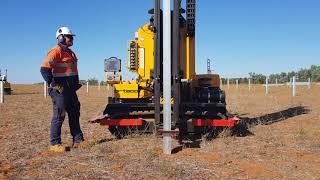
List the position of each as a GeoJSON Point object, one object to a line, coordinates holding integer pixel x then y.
{"type": "Point", "coordinates": [263, 36]}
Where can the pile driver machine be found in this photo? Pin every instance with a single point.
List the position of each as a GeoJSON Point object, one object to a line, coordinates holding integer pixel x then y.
{"type": "Point", "coordinates": [197, 102]}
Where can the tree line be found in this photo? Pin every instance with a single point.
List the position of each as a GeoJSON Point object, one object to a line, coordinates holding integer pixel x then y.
{"type": "Point", "coordinates": [92, 81]}
{"type": "Point", "coordinates": [302, 75]}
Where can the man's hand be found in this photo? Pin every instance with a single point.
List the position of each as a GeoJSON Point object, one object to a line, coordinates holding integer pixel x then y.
{"type": "Point", "coordinates": [57, 87]}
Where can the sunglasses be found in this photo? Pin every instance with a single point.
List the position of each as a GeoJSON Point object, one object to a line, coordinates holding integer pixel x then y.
{"type": "Point", "coordinates": [69, 36]}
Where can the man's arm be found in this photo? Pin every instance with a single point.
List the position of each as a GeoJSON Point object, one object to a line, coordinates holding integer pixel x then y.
{"type": "Point", "coordinates": [47, 65]}
{"type": "Point", "coordinates": [46, 74]}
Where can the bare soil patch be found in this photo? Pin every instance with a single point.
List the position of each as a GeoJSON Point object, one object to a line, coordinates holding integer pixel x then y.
{"type": "Point", "coordinates": [280, 138]}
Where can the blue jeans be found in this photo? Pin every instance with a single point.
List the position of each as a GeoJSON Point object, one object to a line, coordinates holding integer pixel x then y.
{"type": "Point", "coordinates": [67, 102]}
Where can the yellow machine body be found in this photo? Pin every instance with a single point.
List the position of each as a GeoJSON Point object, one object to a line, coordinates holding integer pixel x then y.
{"type": "Point", "coordinates": [141, 62]}
{"type": "Point", "coordinates": [129, 90]}
{"type": "Point", "coordinates": [6, 85]}
{"type": "Point", "coordinates": [138, 104]}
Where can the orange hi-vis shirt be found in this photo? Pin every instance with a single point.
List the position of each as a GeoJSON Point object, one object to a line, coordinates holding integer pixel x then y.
{"type": "Point", "coordinates": [62, 61]}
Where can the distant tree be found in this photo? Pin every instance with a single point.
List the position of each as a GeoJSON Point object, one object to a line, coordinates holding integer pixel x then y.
{"type": "Point", "coordinates": [93, 81]}
{"type": "Point", "coordinates": [273, 78]}
{"type": "Point", "coordinates": [283, 77]}
{"type": "Point", "coordinates": [243, 80]}
{"type": "Point", "coordinates": [103, 83]}
{"type": "Point", "coordinates": [83, 82]}
{"type": "Point", "coordinates": [315, 73]}
{"type": "Point", "coordinates": [302, 75]}
{"type": "Point", "coordinates": [257, 78]}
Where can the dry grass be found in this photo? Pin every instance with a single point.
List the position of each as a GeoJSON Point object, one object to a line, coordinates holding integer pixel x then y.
{"type": "Point", "coordinates": [278, 141]}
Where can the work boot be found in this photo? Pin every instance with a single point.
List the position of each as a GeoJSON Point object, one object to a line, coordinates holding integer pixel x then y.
{"type": "Point", "coordinates": [78, 144]}
{"type": "Point", "coordinates": [57, 148]}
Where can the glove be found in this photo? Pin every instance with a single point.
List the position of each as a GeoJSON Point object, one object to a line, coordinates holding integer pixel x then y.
{"type": "Point", "coordinates": [57, 87]}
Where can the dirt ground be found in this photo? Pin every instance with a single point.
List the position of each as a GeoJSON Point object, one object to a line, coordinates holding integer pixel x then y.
{"type": "Point", "coordinates": [279, 139]}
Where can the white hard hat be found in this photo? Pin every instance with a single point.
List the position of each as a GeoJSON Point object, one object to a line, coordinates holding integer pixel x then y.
{"type": "Point", "coordinates": [64, 31]}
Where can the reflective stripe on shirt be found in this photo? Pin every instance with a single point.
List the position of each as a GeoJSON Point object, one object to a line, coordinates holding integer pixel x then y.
{"type": "Point", "coordinates": [64, 64]}
{"type": "Point", "coordinates": [65, 74]}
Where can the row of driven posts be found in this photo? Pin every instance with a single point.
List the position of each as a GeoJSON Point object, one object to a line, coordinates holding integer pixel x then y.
{"type": "Point", "coordinates": [292, 81]}
{"type": "Point", "coordinates": [292, 84]}
{"type": "Point", "coordinates": [45, 88]}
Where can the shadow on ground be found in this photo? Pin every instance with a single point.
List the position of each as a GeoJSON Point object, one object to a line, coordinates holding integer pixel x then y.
{"type": "Point", "coordinates": [242, 127]}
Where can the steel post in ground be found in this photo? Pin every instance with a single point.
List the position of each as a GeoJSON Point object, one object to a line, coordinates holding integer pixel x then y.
{"type": "Point", "coordinates": [237, 84]}
{"type": "Point", "coordinates": [1, 92]}
{"type": "Point", "coordinates": [87, 87]}
{"type": "Point", "coordinates": [267, 85]}
{"type": "Point", "coordinates": [167, 141]}
{"type": "Point", "coordinates": [293, 86]}
{"type": "Point", "coordinates": [45, 89]}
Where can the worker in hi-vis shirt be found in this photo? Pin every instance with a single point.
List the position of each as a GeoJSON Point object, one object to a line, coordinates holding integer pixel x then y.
{"type": "Point", "coordinates": [59, 70]}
